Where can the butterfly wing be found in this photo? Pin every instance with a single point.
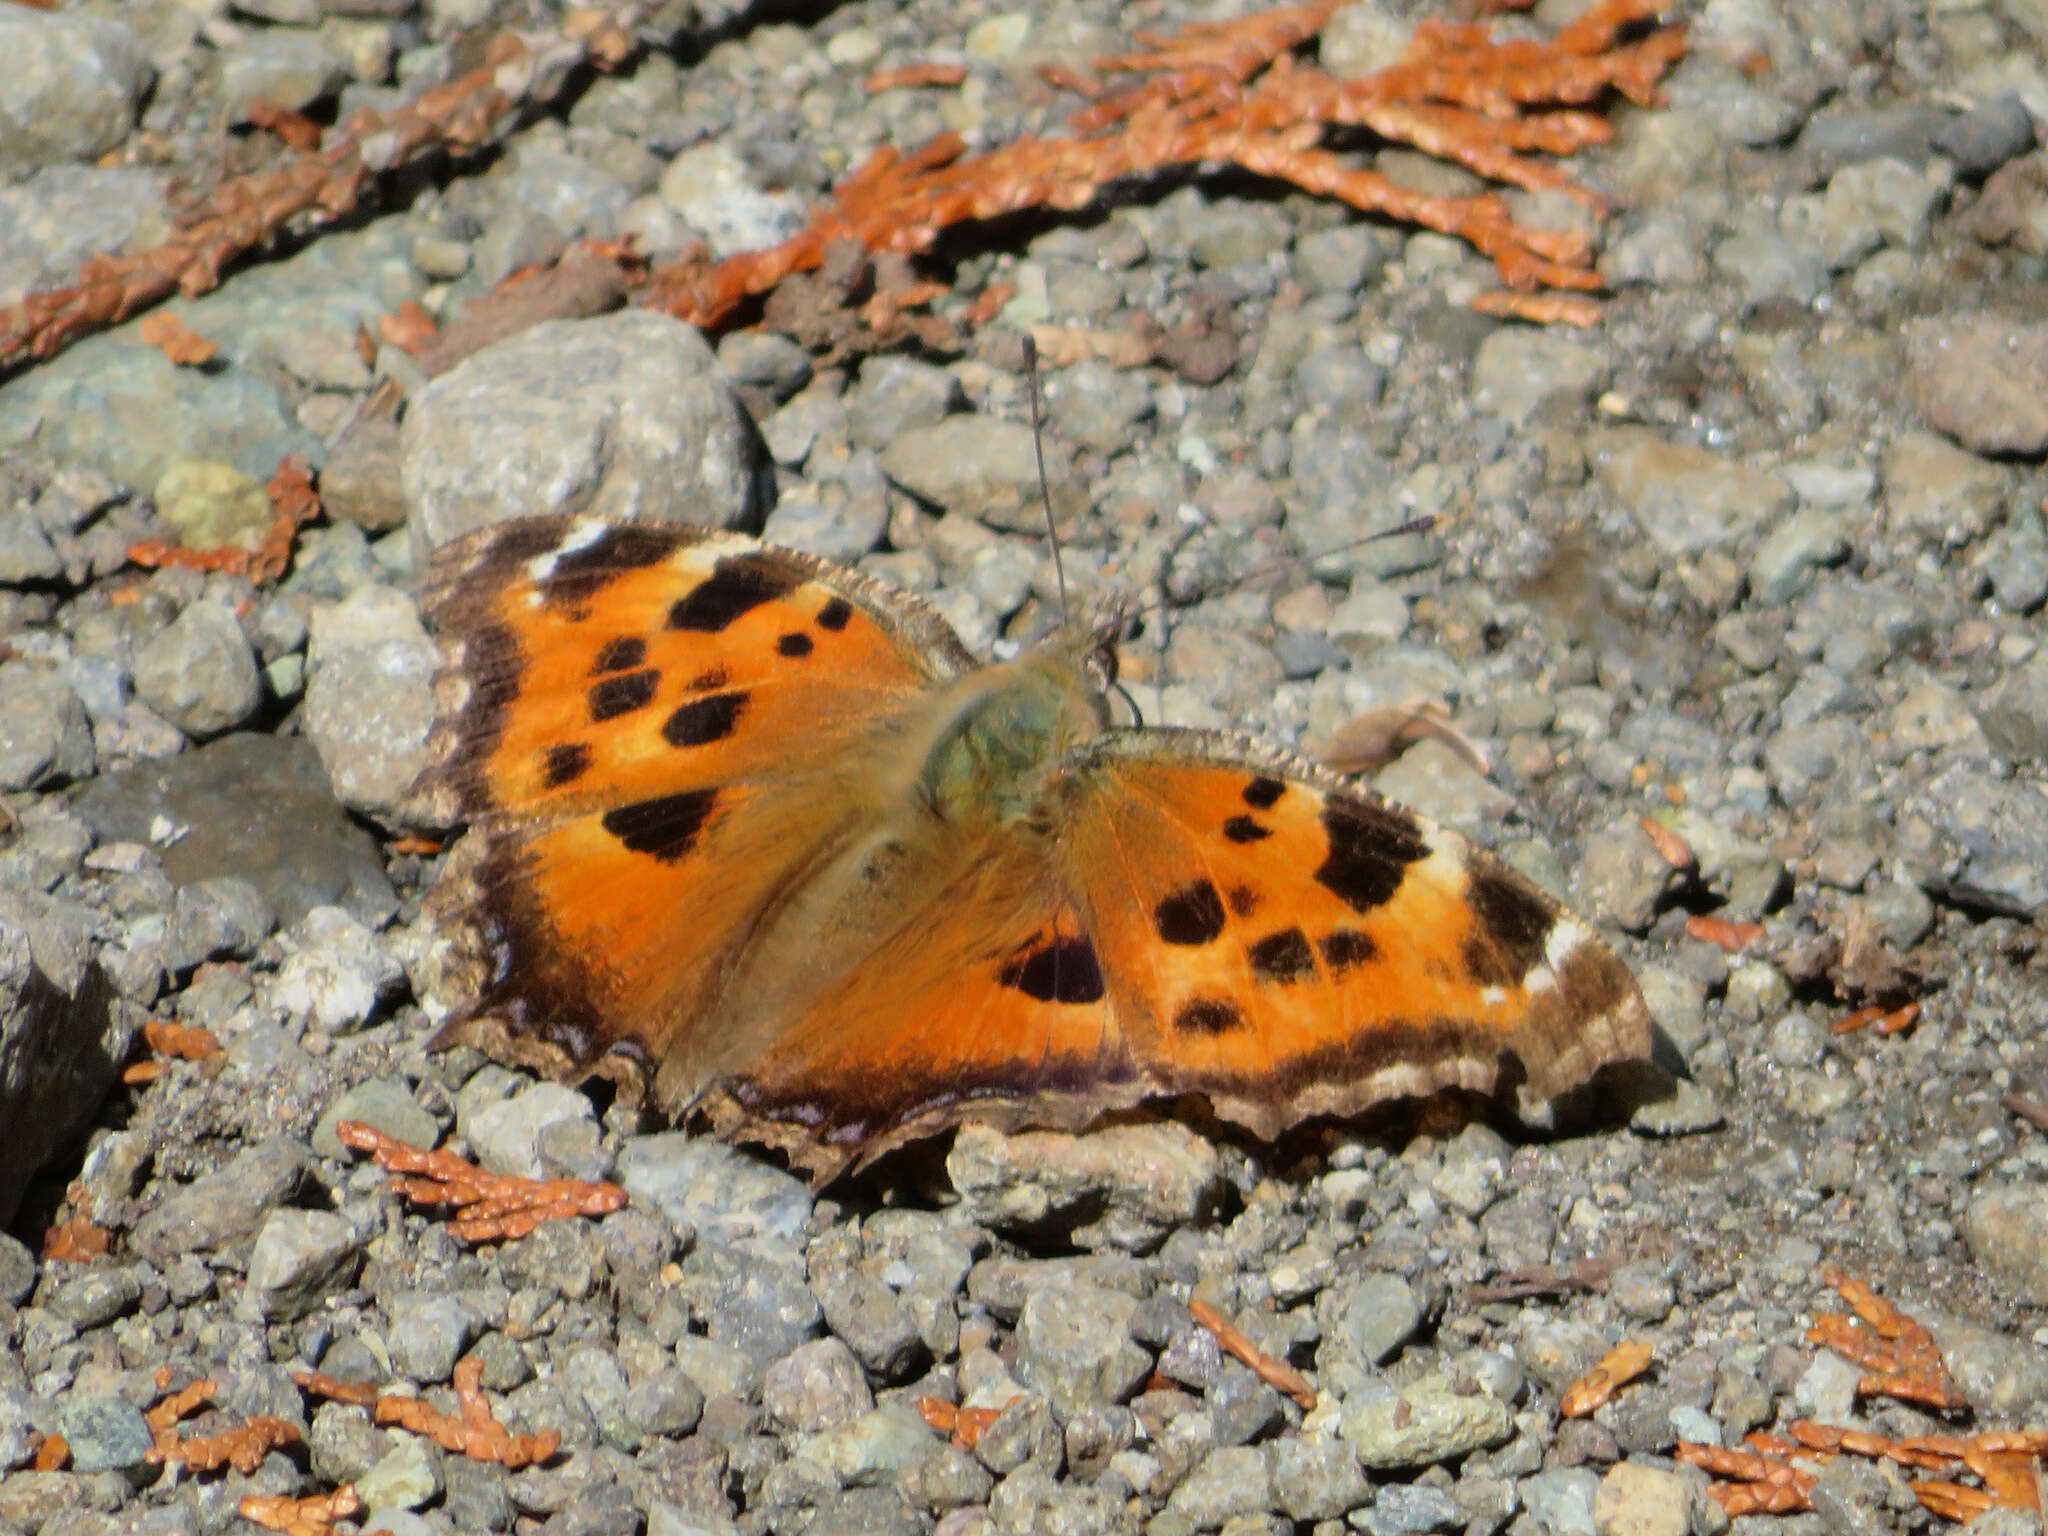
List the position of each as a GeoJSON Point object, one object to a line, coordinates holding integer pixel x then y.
{"type": "Point", "coordinates": [1289, 946]}
{"type": "Point", "coordinates": [648, 727]}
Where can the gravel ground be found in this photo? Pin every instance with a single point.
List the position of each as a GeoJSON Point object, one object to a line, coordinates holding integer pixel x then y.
{"type": "Point", "coordinates": [1761, 557]}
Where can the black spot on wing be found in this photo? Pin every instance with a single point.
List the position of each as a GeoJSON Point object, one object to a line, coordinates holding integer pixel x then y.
{"type": "Point", "coordinates": [1283, 957]}
{"type": "Point", "coordinates": [621, 695]}
{"type": "Point", "coordinates": [833, 615]}
{"type": "Point", "coordinates": [664, 828]}
{"type": "Point", "coordinates": [1371, 847]}
{"type": "Point", "coordinates": [1244, 901]}
{"type": "Point", "coordinates": [1191, 915]}
{"type": "Point", "coordinates": [1244, 829]}
{"type": "Point", "coordinates": [564, 762]}
{"type": "Point", "coordinates": [580, 574]}
{"type": "Point", "coordinates": [737, 585]}
{"type": "Point", "coordinates": [1264, 794]}
{"type": "Point", "coordinates": [1065, 970]}
{"type": "Point", "coordinates": [1510, 926]}
{"type": "Point", "coordinates": [794, 644]}
{"type": "Point", "coordinates": [620, 655]}
{"type": "Point", "coordinates": [1207, 1016]}
{"type": "Point", "coordinates": [703, 721]}
{"type": "Point", "coordinates": [1345, 948]}
{"type": "Point", "coordinates": [708, 681]}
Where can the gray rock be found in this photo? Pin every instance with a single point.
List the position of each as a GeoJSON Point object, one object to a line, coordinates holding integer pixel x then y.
{"type": "Point", "coordinates": [337, 972]}
{"type": "Point", "coordinates": [45, 736]}
{"type": "Point", "coordinates": [709, 1188]}
{"type": "Point", "coordinates": [1562, 1501]}
{"type": "Point", "coordinates": [299, 1257]}
{"type": "Point", "coordinates": [876, 1448]}
{"type": "Point", "coordinates": [2014, 715]}
{"type": "Point", "coordinates": [428, 1334]}
{"type": "Point", "coordinates": [1373, 1317]}
{"type": "Point", "coordinates": [1123, 1187]}
{"type": "Point", "coordinates": [1993, 834]}
{"type": "Point", "coordinates": [1935, 489]}
{"type": "Point", "coordinates": [1982, 379]}
{"type": "Point", "coordinates": [370, 696]}
{"type": "Point", "coordinates": [1425, 1422]}
{"type": "Point", "coordinates": [226, 1207]}
{"type": "Point", "coordinates": [26, 553]}
{"type": "Point", "coordinates": [224, 917]}
{"type": "Point", "coordinates": [597, 1378]}
{"type": "Point", "coordinates": [1519, 368]}
{"type": "Point", "coordinates": [257, 808]}
{"type": "Point", "coordinates": [872, 1321]}
{"type": "Point", "coordinates": [1342, 259]}
{"type": "Point", "coordinates": [1767, 265]}
{"type": "Point", "coordinates": [752, 1297]}
{"type": "Point", "coordinates": [816, 1386]}
{"type": "Point", "coordinates": [509, 1136]}
{"type": "Point", "coordinates": [1226, 1484]}
{"type": "Point", "coordinates": [1685, 499]}
{"type": "Point", "coordinates": [710, 185]}
{"type": "Point", "coordinates": [984, 469]}
{"type": "Point", "coordinates": [105, 1434]}
{"type": "Point", "coordinates": [1316, 1479]}
{"type": "Point", "coordinates": [200, 673]}
{"type": "Point", "coordinates": [1074, 1345]}
{"type": "Point", "coordinates": [383, 1103]}
{"type": "Point", "coordinates": [897, 394]}
{"type": "Point", "coordinates": [71, 88]}
{"type": "Point", "coordinates": [17, 1270]}
{"type": "Point", "coordinates": [627, 415]}
{"type": "Point", "coordinates": [2000, 1375]}
{"type": "Point", "coordinates": [404, 1477]}
{"type": "Point", "coordinates": [1412, 1509]}
{"type": "Point", "coordinates": [1096, 405]}
{"type": "Point", "coordinates": [1981, 140]}
{"type": "Point", "coordinates": [765, 360]}
{"type": "Point", "coordinates": [95, 1297]}
{"type": "Point", "coordinates": [63, 1033]}
{"type": "Point", "coordinates": [2006, 1227]}
{"type": "Point", "coordinates": [1635, 1500]}
{"type": "Point", "coordinates": [50, 223]}
{"type": "Point", "coordinates": [666, 1403]}
{"type": "Point", "coordinates": [2016, 562]}
{"type": "Point", "coordinates": [288, 69]}
{"type": "Point", "coordinates": [1785, 561]}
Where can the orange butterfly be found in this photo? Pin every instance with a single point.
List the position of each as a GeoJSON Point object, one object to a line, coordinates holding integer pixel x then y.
{"type": "Point", "coordinates": [757, 834]}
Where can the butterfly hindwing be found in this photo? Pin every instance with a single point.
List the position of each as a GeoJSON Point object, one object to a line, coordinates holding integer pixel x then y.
{"type": "Point", "coordinates": [1287, 945]}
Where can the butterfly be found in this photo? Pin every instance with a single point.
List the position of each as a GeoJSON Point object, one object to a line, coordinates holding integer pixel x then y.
{"type": "Point", "coordinates": [757, 838]}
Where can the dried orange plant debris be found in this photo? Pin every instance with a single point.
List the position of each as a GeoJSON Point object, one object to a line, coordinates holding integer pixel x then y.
{"type": "Point", "coordinates": [1274, 1372]}
{"type": "Point", "coordinates": [293, 504]}
{"type": "Point", "coordinates": [177, 340]}
{"type": "Point", "coordinates": [1722, 932]}
{"type": "Point", "coordinates": [913, 77]}
{"type": "Point", "coordinates": [242, 1446]}
{"type": "Point", "coordinates": [964, 1426]}
{"type": "Point", "coordinates": [473, 1431]}
{"type": "Point", "coordinates": [314, 1515]}
{"type": "Point", "coordinates": [494, 1206]}
{"type": "Point", "coordinates": [1671, 848]}
{"type": "Point", "coordinates": [1617, 1368]}
{"type": "Point", "coordinates": [1235, 92]}
{"type": "Point", "coordinates": [178, 1042]}
{"type": "Point", "coordinates": [75, 1239]}
{"type": "Point", "coordinates": [461, 116]}
{"type": "Point", "coordinates": [53, 1453]}
{"type": "Point", "coordinates": [1878, 1021]}
{"type": "Point", "coordinates": [1767, 1478]}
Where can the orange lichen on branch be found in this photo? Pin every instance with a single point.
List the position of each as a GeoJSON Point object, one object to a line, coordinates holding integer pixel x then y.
{"type": "Point", "coordinates": [1274, 1372]}
{"type": "Point", "coordinates": [913, 76]}
{"type": "Point", "coordinates": [477, 1433]}
{"type": "Point", "coordinates": [1234, 92]}
{"type": "Point", "coordinates": [314, 1515]}
{"type": "Point", "coordinates": [1620, 1366]}
{"type": "Point", "coordinates": [494, 1206]}
{"type": "Point", "coordinates": [462, 116]}
{"type": "Point", "coordinates": [1900, 1356]}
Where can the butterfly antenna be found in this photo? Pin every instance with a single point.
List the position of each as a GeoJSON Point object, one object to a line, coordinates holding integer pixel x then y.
{"type": "Point", "coordinates": [1052, 532]}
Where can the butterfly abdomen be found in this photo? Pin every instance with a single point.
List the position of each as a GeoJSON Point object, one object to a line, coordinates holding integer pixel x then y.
{"type": "Point", "coordinates": [997, 738]}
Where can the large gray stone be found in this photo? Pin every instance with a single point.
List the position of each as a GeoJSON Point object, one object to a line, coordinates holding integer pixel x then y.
{"type": "Point", "coordinates": [69, 89]}
{"type": "Point", "coordinates": [628, 415]}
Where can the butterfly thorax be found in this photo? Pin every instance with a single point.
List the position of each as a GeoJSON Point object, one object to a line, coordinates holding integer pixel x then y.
{"type": "Point", "coordinates": [996, 738]}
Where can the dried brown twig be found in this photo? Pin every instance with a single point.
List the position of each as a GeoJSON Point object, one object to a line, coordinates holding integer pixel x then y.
{"type": "Point", "coordinates": [1274, 1372]}
{"type": "Point", "coordinates": [461, 115]}
{"type": "Point", "coordinates": [494, 1206]}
